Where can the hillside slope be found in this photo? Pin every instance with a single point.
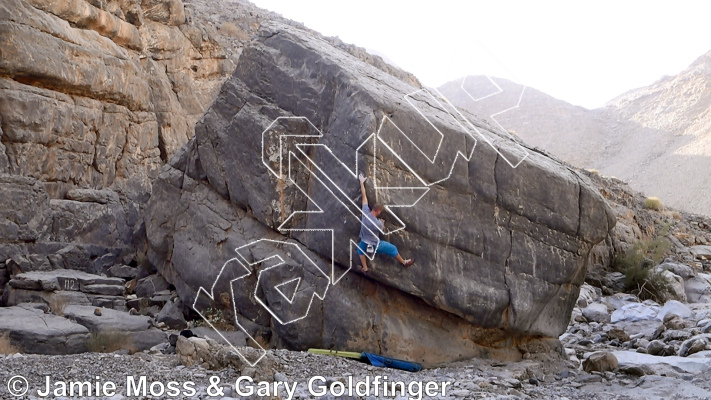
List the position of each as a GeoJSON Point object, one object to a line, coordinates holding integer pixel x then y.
{"type": "Point", "coordinates": [656, 138]}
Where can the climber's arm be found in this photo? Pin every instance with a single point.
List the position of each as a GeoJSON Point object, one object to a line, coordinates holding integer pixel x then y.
{"type": "Point", "coordinates": [362, 179]}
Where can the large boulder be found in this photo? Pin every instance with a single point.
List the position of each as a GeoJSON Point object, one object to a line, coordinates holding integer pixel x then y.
{"type": "Point", "coordinates": [500, 251]}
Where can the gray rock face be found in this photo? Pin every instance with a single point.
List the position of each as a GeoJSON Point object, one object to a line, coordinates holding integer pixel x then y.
{"type": "Point", "coordinates": [31, 220]}
{"type": "Point", "coordinates": [40, 333]}
{"type": "Point", "coordinates": [500, 251]}
{"type": "Point", "coordinates": [39, 234]}
{"type": "Point", "coordinates": [123, 271]}
{"type": "Point", "coordinates": [149, 285]}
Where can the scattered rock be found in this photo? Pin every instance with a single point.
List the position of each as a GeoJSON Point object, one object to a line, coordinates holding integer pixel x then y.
{"type": "Point", "coordinates": [212, 355]}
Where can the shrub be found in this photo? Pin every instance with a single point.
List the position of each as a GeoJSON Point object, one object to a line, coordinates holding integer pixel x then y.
{"type": "Point", "coordinates": [108, 342]}
{"type": "Point", "coordinates": [594, 171]}
{"type": "Point", "coordinates": [6, 346]}
{"type": "Point", "coordinates": [653, 203]}
{"type": "Point", "coordinates": [58, 303]}
{"type": "Point", "coordinates": [215, 317]}
{"type": "Point", "coordinates": [637, 263]}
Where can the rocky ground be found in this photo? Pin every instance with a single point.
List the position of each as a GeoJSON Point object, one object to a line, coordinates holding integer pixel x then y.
{"type": "Point", "coordinates": [658, 352]}
{"type": "Point", "coordinates": [536, 379]}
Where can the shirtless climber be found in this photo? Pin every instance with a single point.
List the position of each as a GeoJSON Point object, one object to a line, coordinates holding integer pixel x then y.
{"type": "Point", "coordinates": [370, 225]}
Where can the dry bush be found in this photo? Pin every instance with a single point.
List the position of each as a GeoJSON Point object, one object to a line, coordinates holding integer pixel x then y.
{"type": "Point", "coordinates": [108, 342]}
{"type": "Point", "coordinates": [594, 171]}
{"type": "Point", "coordinates": [637, 265]}
{"type": "Point", "coordinates": [232, 30]}
{"type": "Point", "coordinates": [6, 346]}
{"type": "Point", "coordinates": [653, 203]}
{"type": "Point", "coordinates": [215, 317]}
{"type": "Point", "coordinates": [58, 304]}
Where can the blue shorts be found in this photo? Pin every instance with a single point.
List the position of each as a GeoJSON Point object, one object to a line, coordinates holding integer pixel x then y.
{"type": "Point", "coordinates": [384, 247]}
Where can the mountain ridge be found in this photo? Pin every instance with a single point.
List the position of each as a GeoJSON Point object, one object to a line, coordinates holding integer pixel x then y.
{"type": "Point", "coordinates": [655, 137]}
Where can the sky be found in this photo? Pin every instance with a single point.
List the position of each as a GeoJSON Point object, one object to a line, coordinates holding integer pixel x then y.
{"type": "Point", "coordinates": [586, 53]}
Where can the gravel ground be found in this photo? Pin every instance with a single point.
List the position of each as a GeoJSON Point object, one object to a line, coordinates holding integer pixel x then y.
{"type": "Point", "coordinates": [536, 379]}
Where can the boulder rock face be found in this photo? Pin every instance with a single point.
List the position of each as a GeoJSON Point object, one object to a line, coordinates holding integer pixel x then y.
{"type": "Point", "coordinates": [501, 234]}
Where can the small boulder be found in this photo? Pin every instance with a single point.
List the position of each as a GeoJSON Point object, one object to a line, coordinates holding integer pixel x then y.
{"type": "Point", "coordinates": [596, 312]}
{"type": "Point", "coordinates": [150, 285]}
{"type": "Point", "coordinates": [172, 315]}
{"type": "Point", "coordinates": [675, 322]}
{"type": "Point", "coordinates": [691, 346]}
{"type": "Point", "coordinates": [675, 284]}
{"type": "Point", "coordinates": [698, 289]}
{"type": "Point", "coordinates": [674, 307]}
{"type": "Point", "coordinates": [601, 361]}
{"type": "Point", "coordinates": [683, 270]}
{"type": "Point", "coordinates": [655, 347]}
{"type": "Point", "coordinates": [619, 334]}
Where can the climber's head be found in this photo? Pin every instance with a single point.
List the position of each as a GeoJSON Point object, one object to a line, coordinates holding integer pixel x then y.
{"type": "Point", "coordinates": [376, 210]}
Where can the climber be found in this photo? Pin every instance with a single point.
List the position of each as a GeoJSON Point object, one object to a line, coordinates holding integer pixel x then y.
{"type": "Point", "coordinates": [369, 242]}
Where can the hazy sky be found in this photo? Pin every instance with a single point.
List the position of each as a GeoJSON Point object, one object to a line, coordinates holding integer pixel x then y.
{"type": "Point", "coordinates": [583, 52]}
